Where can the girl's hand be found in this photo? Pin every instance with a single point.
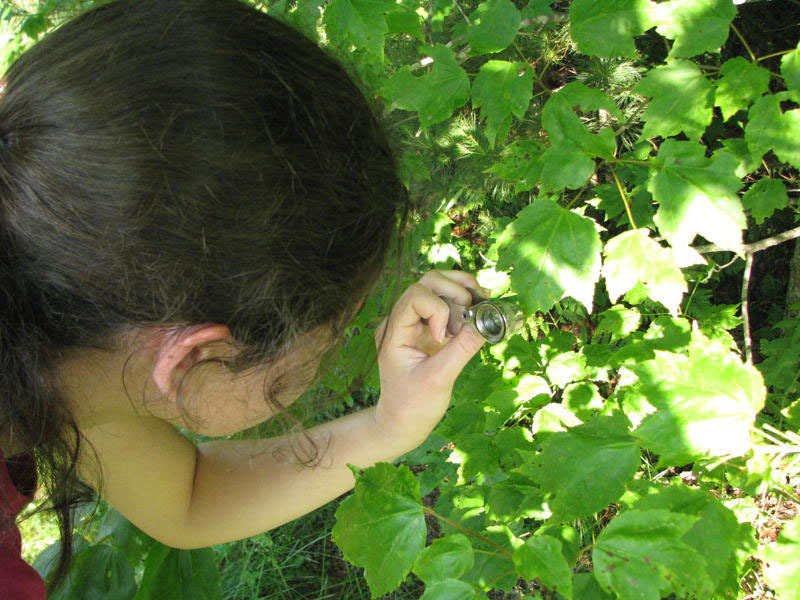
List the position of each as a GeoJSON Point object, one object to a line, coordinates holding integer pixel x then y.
{"type": "Point", "coordinates": [418, 365]}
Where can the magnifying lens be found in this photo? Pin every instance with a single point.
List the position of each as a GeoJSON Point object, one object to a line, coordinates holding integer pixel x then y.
{"type": "Point", "coordinates": [495, 320]}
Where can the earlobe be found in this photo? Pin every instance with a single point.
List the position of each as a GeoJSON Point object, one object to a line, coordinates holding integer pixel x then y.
{"type": "Point", "coordinates": [178, 353]}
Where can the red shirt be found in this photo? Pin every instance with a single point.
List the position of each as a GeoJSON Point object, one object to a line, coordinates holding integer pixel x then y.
{"type": "Point", "coordinates": [18, 580]}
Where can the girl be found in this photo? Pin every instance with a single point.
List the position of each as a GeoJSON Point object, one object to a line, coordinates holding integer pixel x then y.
{"type": "Point", "coordinates": [194, 202]}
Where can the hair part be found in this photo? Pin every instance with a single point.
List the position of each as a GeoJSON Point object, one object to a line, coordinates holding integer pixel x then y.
{"type": "Point", "coordinates": [172, 163]}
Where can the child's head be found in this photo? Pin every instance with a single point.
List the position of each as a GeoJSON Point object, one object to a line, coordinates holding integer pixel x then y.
{"type": "Point", "coordinates": [174, 163]}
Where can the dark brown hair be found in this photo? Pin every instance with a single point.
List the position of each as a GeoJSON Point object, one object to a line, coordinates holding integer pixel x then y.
{"type": "Point", "coordinates": [175, 163]}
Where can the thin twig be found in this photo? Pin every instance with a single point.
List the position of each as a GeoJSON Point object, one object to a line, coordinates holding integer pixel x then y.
{"type": "Point", "coordinates": [790, 234]}
{"type": "Point", "coordinates": [748, 341]}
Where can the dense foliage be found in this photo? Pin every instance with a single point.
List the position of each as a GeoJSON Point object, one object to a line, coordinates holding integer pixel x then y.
{"type": "Point", "coordinates": [622, 167]}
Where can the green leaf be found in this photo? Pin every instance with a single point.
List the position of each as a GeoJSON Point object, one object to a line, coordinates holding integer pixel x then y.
{"type": "Point", "coordinates": [697, 26]}
{"type": "Point", "coordinates": [537, 8]}
{"type": "Point", "coordinates": [98, 572]}
{"type": "Point", "coordinates": [682, 100]}
{"type": "Point", "coordinates": [553, 252]}
{"type": "Point", "coordinates": [447, 557]}
{"type": "Point", "coordinates": [582, 398]}
{"type": "Point", "coordinates": [361, 23]}
{"type": "Point", "coordinates": [381, 526]}
{"type": "Point", "coordinates": [514, 498]}
{"type": "Point", "coordinates": [714, 535]}
{"type": "Point", "coordinates": [449, 589]}
{"type": "Point", "coordinates": [565, 128]}
{"type": "Point", "coordinates": [765, 197]}
{"type": "Point", "coordinates": [707, 403]}
{"type": "Point", "coordinates": [492, 569]}
{"type": "Point", "coordinates": [606, 28]}
{"type": "Point", "coordinates": [782, 558]}
{"type": "Point", "coordinates": [640, 556]}
{"type": "Point", "coordinates": [697, 196]}
{"type": "Point", "coordinates": [435, 95]}
{"type": "Point", "coordinates": [566, 368]}
{"type": "Point", "coordinates": [562, 166]}
{"type": "Point", "coordinates": [631, 258]}
{"type": "Point", "coordinates": [792, 413]}
{"type": "Point", "coordinates": [585, 587]}
{"type": "Point", "coordinates": [540, 557]}
{"type": "Point", "coordinates": [500, 90]}
{"type": "Point", "coordinates": [493, 26]}
{"type": "Point", "coordinates": [741, 83]}
{"type": "Point", "coordinates": [768, 128]}
{"type": "Point", "coordinates": [618, 320]}
{"type": "Point", "coordinates": [790, 68]}
{"type": "Point", "coordinates": [403, 19]}
{"type": "Point", "coordinates": [581, 487]}
{"type": "Point", "coordinates": [171, 574]}
{"type": "Point", "coordinates": [739, 150]}
{"type": "Point", "coordinates": [553, 417]}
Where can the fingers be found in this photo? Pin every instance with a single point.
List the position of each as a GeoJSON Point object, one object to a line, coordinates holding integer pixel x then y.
{"type": "Point", "coordinates": [420, 307]}
{"type": "Point", "coordinates": [452, 284]}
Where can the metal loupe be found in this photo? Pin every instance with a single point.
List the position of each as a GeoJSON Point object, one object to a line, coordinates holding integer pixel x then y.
{"type": "Point", "coordinates": [494, 320]}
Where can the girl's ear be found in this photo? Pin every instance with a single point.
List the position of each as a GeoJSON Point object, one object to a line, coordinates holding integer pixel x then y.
{"type": "Point", "coordinates": [177, 354]}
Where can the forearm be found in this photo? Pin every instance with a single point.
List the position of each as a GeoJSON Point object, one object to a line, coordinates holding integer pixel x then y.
{"type": "Point", "coordinates": [243, 488]}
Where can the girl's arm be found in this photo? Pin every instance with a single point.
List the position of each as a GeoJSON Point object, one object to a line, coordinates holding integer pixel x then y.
{"type": "Point", "coordinates": [188, 497]}
{"type": "Point", "coordinates": [191, 497]}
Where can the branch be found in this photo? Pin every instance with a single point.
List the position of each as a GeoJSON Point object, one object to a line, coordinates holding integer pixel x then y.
{"type": "Point", "coordinates": [791, 234]}
{"type": "Point", "coordinates": [748, 340]}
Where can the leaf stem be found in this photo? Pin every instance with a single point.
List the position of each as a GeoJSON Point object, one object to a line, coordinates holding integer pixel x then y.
{"type": "Point", "coordinates": [460, 527]}
{"type": "Point", "coordinates": [580, 552]}
{"type": "Point", "coordinates": [744, 41]}
{"type": "Point", "coordinates": [580, 192]}
{"type": "Point", "coordinates": [644, 163]}
{"type": "Point", "coordinates": [624, 198]}
{"type": "Point", "coordinates": [774, 54]}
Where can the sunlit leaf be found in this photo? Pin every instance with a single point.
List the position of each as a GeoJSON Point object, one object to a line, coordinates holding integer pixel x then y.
{"type": "Point", "coordinates": [790, 68]}
{"type": "Point", "coordinates": [552, 253]}
{"type": "Point", "coordinates": [381, 526]}
{"type": "Point", "coordinates": [606, 28]}
{"type": "Point", "coordinates": [707, 403]}
{"type": "Point", "coordinates": [631, 258]}
{"type": "Point", "coordinates": [697, 26]}
{"type": "Point", "coordinates": [682, 100]}
{"type": "Point", "coordinates": [500, 90]}
{"type": "Point", "coordinates": [741, 82]}
{"type": "Point", "coordinates": [697, 196]}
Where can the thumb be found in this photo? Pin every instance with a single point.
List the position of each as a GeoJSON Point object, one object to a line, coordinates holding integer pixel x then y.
{"type": "Point", "coordinates": [451, 359]}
